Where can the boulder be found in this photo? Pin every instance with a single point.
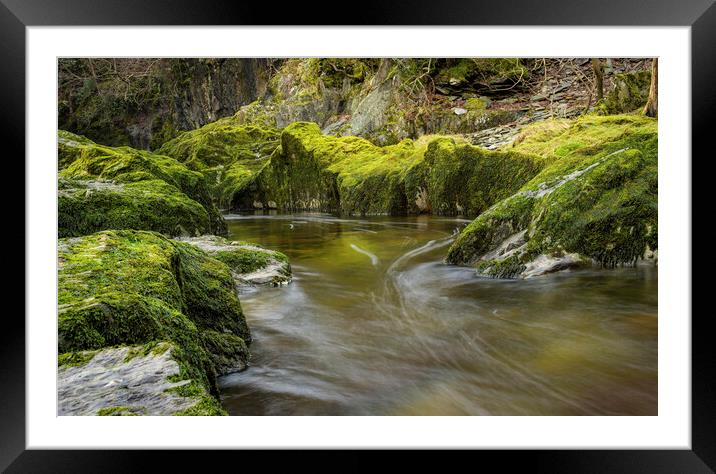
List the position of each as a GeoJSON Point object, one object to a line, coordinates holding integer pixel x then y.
{"type": "Point", "coordinates": [129, 381]}
{"type": "Point", "coordinates": [595, 200]}
{"type": "Point", "coordinates": [350, 175]}
{"type": "Point", "coordinates": [83, 159]}
{"type": "Point", "coordinates": [88, 206]}
{"type": "Point", "coordinates": [227, 152]}
{"type": "Point", "coordinates": [129, 288]}
{"type": "Point", "coordinates": [250, 264]}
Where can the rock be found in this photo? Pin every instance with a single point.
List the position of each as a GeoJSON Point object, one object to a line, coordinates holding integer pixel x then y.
{"type": "Point", "coordinates": [630, 92]}
{"type": "Point", "coordinates": [125, 288]}
{"type": "Point", "coordinates": [459, 110]}
{"type": "Point", "coordinates": [596, 198]}
{"type": "Point", "coordinates": [545, 264]}
{"type": "Point", "coordinates": [250, 264]}
{"type": "Point", "coordinates": [171, 95]}
{"type": "Point", "coordinates": [83, 160]}
{"type": "Point", "coordinates": [228, 152]}
{"type": "Point", "coordinates": [128, 380]}
{"type": "Point", "coordinates": [87, 206]}
{"type": "Point", "coordinates": [353, 176]}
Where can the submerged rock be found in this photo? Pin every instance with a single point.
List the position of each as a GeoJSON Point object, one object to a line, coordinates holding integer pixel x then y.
{"type": "Point", "coordinates": [137, 287]}
{"type": "Point", "coordinates": [250, 264]}
{"type": "Point", "coordinates": [596, 200]}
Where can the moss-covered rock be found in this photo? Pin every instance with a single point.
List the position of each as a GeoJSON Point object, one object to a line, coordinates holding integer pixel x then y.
{"type": "Point", "coordinates": [83, 159]}
{"type": "Point", "coordinates": [227, 152]}
{"type": "Point", "coordinates": [85, 207]}
{"type": "Point", "coordinates": [630, 92]}
{"type": "Point", "coordinates": [458, 178]}
{"type": "Point", "coordinates": [597, 197]}
{"type": "Point", "coordinates": [351, 175]}
{"type": "Point", "coordinates": [387, 100]}
{"type": "Point", "coordinates": [312, 171]}
{"type": "Point", "coordinates": [250, 264]}
{"type": "Point", "coordinates": [120, 288]}
{"type": "Point", "coordinates": [488, 76]}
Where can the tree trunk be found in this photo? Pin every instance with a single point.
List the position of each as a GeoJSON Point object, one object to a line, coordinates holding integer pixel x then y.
{"type": "Point", "coordinates": [651, 109]}
{"type": "Point", "coordinates": [599, 76]}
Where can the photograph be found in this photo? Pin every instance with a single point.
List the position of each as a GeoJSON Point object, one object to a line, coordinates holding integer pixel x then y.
{"type": "Point", "coordinates": [370, 236]}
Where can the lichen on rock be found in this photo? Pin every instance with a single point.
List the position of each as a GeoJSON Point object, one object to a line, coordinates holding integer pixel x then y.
{"type": "Point", "coordinates": [129, 381]}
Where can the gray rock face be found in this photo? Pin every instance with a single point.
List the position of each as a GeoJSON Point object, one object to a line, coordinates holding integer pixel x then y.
{"type": "Point", "coordinates": [68, 187]}
{"type": "Point", "coordinates": [129, 385]}
{"type": "Point", "coordinates": [545, 264]}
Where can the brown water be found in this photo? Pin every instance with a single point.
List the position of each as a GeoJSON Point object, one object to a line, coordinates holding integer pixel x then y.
{"type": "Point", "coordinates": [375, 324]}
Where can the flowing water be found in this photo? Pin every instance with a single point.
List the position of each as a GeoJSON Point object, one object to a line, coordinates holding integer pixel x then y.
{"type": "Point", "coordinates": [375, 324]}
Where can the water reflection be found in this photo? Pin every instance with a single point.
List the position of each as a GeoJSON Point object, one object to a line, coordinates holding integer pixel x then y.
{"type": "Point", "coordinates": [375, 324]}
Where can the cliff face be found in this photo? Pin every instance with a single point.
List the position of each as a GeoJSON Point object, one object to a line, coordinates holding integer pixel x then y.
{"type": "Point", "coordinates": [144, 102]}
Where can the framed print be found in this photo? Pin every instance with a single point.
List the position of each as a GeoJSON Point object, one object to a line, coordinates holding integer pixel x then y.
{"type": "Point", "coordinates": [435, 229]}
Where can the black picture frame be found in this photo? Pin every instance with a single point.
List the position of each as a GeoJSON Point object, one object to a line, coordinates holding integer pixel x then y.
{"type": "Point", "coordinates": [16, 15]}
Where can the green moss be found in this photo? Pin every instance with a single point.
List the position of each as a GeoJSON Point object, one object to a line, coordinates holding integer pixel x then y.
{"type": "Point", "coordinates": [504, 219]}
{"type": "Point", "coordinates": [630, 92]}
{"type": "Point", "coordinates": [228, 351]}
{"type": "Point", "coordinates": [476, 104]}
{"type": "Point", "coordinates": [334, 71]}
{"type": "Point", "coordinates": [209, 292]}
{"type": "Point", "coordinates": [85, 207]}
{"type": "Point", "coordinates": [154, 348]}
{"type": "Point", "coordinates": [555, 139]}
{"type": "Point", "coordinates": [136, 287]}
{"type": "Point", "coordinates": [353, 176]}
{"type": "Point", "coordinates": [86, 160]}
{"type": "Point", "coordinates": [463, 179]}
{"type": "Point", "coordinates": [228, 152]}
{"type": "Point", "coordinates": [505, 268]}
{"type": "Point", "coordinates": [69, 146]}
{"type": "Point", "coordinates": [598, 199]}
{"type": "Point", "coordinates": [75, 359]}
{"type": "Point", "coordinates": [221, 143]}
{"type": "Point", "coordinates": [245, 258]}
{"type": "Point", "coordinates": [118, 411]}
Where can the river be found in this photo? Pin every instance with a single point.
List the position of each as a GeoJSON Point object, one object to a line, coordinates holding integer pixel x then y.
{"type": "Point", "coordinates": [375, 324]}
